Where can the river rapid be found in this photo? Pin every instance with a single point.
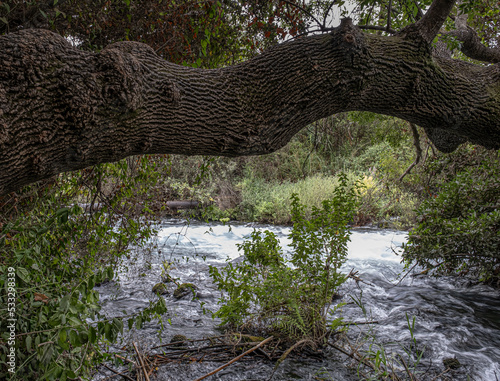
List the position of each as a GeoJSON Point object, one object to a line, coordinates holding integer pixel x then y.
{"type": "Point", "coordinates": [452, 318]}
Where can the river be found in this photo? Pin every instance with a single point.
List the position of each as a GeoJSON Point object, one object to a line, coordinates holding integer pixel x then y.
{"type": "Point", "coordinates": [452, 318]}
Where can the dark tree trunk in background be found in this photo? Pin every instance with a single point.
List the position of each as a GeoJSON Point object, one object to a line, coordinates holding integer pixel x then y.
{"type": "Point", "coordinates": [63, 109]}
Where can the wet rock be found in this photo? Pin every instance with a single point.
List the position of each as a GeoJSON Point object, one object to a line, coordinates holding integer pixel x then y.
{"type": "Point", "coordinates": [178, 339]}
{"type": "Point", "coordinates": [451, 363]}
{"type": "Point", "coordinates": [184, 289]}
{"type": "Point", "coordinates": [160, 289]}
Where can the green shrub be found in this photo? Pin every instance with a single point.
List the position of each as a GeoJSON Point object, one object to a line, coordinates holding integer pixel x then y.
{"type": "Point", "coordinates": [57, 253]}
{"type": "Point", "coordinates": [290, 295]}
{"type": "Point", "coordinates": [458, 229]}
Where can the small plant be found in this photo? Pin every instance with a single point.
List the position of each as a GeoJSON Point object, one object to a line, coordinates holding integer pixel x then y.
{"type": "Point", "coordinates": [384, 361]}
{"type": "Point", "coordinates": [290, 295]}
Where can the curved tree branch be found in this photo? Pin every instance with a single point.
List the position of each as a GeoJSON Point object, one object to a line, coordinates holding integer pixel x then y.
{"type": "Point", "coordinates": [472, 46]}
{"type": "Point", "coordinates": [63, 109]}
{"type": "Point", "coordinates": [432, 21]}
{"type": "Point", "coordinates": [330, 6]}
{"type": "Point", "coordinates": [305, 11]}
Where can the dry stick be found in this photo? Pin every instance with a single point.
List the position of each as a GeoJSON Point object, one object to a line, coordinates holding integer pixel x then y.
{"type": "Point", "coordinates": [235, 359]}
{"type": "Point", "coordinates": [123, 358]}
{"type": "Point", "coordinates": [144, 370]}
{"type": "Point", "coordinates": [440, 374]}
{"type": "Point", "coordinates": [118, 374]}
{"type": "Point", "coordinates": [409, 271]}
{"type": "Point", "coordinates": [410, 374]}
{"type": "Point", "coordinates": [351, 355]}
{"type": "Point", "coordinates": [188, 341]}
{"type": "Point", "coordinates": [152, 367]}
{"type": "Point", "coordinates": [276, 347]}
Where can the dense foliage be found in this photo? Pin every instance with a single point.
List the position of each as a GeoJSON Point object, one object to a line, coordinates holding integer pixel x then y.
{"type": "Point", "coordinates": [205, 33]}
{"type": "Point", "coordinates": [56, 244]}
{"type": "Point", "coordinates": [290, 295]}
{"type": "Point", "coordinates": [458, 229]}
{"type": "Point", "coordinates": [65, 235]}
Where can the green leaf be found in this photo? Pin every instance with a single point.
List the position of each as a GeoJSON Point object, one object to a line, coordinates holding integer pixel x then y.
{"type": "Point", "coordinates": [47, 353]}
{"type": "Point", "coordinates": [63, 337]}
{"type": "Point", "coordinates": [108, 332]}
{"type": "Point", "coordinates": [23, 274]}
{"type": "Point", "coordinates": [64, 303]}
{"type": "Point", "coordinates": [84, 337]}
{"type": "Point", "coordinates": [62, 214]}
{"type": "Point", "coordinates": [75, 322]}
{"type": "Point", "coordinates": [92, 335]}
{"type": "Point", "coordinates": [138, 322]}
{"type": "Point", "coordinates": [74, 339]}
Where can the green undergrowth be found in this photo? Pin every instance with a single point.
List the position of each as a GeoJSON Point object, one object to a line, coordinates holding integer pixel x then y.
{"type": "Point", "coordinates": [53, 252]}
{"type": "Point", "coordinates": [290, 296]}
{"type": "Point", "coordinates": [374, 150]}
{"type": "Point", "coordinates": [458, 229]}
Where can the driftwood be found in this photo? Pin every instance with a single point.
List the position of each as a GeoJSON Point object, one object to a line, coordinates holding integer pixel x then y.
{"type": "Point", "coordinates": [174, 205]}
{"type": "Point", "coordinates": [235, 359]}
{"type": "Point", "coordinates": [182, 204]}
{"type": "Point", "coordinates": [217, 348]}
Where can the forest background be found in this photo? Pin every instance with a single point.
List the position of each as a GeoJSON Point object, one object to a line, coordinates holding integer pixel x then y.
{"type": "Point", "coordinates": [56, 232]}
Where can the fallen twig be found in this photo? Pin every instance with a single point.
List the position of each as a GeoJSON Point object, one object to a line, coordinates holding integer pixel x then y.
{"type": "Point", "coordinates": [141, 361]}
{"type": "Point", "coordinates": [117, 373]}
{"type": "Point", "coordinates": [351, 355]}
{"type": "Point", "coordinates": [184, 341]}
{"type": "Point", "coordinates": [123, 358]}
{"type": "Point", "coordinates": [440, 374]}
{"type": "Point", "coordinates": [235, 359]}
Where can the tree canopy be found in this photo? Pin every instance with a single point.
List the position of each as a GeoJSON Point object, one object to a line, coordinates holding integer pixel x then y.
{"type": "Point", "coordinates": [87, 82]}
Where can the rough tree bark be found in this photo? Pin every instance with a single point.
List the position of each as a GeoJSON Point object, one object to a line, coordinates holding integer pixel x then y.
{"type": "Point", "coordinates": [63, 109]}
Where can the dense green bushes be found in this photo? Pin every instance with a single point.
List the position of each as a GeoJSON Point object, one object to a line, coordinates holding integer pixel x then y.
{"type": "Point", "coordinates": [290, 295]}
{"type": "Point", "coordinates": [53, 253]}
{"type": "Point", "coordinates": [458, 230]}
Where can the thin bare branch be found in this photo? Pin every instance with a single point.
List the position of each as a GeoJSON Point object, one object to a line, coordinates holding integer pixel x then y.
{"type": "Point", "coordinates": [235, 359]}
{"type": "Point", "coordinates": [305, 11]}
{"type": "Point", "coordinates": [327, 12]}
{"type": "Point", "coordinates": [375, 27]}
{"type": "Point", "coordinates": [418, 149]}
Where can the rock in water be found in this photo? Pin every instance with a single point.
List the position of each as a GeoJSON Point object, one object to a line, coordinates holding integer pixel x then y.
{"type": "Point", "coordinates": [184, 289]}
{"type": "Point", "coordinates": [160, 289]}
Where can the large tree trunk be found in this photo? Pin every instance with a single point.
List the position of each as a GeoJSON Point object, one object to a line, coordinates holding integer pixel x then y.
{"type": "Point", "coordinates": [63, 109]}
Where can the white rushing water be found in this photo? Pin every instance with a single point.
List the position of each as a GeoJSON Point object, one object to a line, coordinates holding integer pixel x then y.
{"type": "Point", "coordinates": [451, 318]}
